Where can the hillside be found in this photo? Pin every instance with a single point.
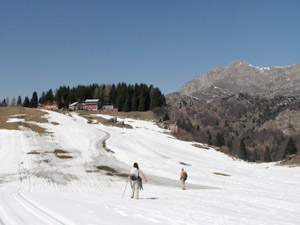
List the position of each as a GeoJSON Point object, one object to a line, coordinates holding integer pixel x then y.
{"type": "Point", "coordinates": [242, 77]}
{"type": "Point", "coordinates": [260, 122]}
{"type": "Point", "coordinates": [72, 170]}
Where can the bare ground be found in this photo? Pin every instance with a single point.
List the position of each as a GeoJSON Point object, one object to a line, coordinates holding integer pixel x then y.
{"type": "Point", "coordinates": [27, 114]}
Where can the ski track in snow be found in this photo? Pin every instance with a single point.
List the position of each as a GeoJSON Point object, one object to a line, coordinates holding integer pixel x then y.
{"type": "Point", "coordinates": [72, 191]}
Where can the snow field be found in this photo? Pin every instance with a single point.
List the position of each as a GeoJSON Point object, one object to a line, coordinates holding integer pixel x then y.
{"type": "Point", "coordinates": [61, 191]}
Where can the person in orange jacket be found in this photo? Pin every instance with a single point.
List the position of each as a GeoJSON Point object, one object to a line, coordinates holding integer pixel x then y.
{"type": "Point", "coordinates": [183, 177]}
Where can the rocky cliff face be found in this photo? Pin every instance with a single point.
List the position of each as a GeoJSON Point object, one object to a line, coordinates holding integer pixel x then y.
{"type": "Point", "coordinates": [242, 77]}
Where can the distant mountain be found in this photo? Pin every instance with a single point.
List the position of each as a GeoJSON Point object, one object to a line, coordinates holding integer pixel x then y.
{"type": "Point", "coordinates": [242, 77]}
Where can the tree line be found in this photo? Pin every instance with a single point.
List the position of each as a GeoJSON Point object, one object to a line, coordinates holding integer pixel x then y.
{"type": "Point", "coordinates": [138, 97]}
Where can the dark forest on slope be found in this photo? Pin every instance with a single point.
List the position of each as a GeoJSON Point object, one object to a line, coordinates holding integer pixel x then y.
{"type": "Point", "coordinates": [249, 127]}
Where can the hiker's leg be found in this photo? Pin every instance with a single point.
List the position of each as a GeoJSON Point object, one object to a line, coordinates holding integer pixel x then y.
{"type": "Point", "coordinates": [132, 188]}
{"type": "Point", "coordinates": [137, 189]}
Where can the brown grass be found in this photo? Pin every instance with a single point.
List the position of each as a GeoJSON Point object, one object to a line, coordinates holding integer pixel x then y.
{"type": "Point", "coordinates": [222, 174]}
{"type": "Point", "coordinates": [33, 153]}
{"type": "Point", "coordinates": [106, 168]}
{"type": "Point", "coordinates": [91, 116]}
{"type": "Point", "coordinates": [185, 164]}
{"type": "Point", "coordinates": [293, 162]}
{"type": "Point", "coordinates": [59, 151]}
{"type": "Point", "coordinates": [200, 146]}
{"type": "Point", "coordinates": [135, 115]}
{"type": "Point", "coordinates": [61, 154]}
{"type": "Point", "coordinates": [29, 115]}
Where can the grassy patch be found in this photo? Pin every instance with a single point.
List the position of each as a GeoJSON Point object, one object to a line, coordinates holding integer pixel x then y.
{"type": "Point", "coordinates": [222, 174]}
{"type": "Point", "coordinates": [292, 162]}
{"type": "Point", "coordinates": [29, 115]}
{"type": "Point", "coordinates": [185, 164]}
{"type": "Point", "coordinates": [107, 149]}
{"type": "Point", "coordinates": [90, 116]}
{"type": "Point", "coordinates": [200, 146]}
{"type": "Point", "coordinates": [61, 154]}
{"type": "Point", "coordinates": [33, 153]}
{"type": "Point", "coordinates": [59, 151]}
{"type": "Point", "coordinates": [106, 168]}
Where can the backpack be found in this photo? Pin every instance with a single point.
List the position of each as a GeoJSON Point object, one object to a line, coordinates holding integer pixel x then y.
{"type": "Point", "coordinates": [185, 176]}
{"type": "Point", "coordinates": [134, 174]}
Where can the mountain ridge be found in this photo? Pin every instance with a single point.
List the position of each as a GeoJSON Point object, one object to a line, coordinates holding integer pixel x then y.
{"type": "Point", "coordinates": [242, 77]}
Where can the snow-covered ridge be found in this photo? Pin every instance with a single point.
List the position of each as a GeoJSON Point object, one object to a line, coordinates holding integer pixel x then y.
{"type": "Point", "coordinates": [41, 188]}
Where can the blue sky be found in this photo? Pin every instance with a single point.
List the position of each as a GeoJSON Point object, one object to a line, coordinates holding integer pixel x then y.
{"type": "Point", "coordinates": [47, 44]}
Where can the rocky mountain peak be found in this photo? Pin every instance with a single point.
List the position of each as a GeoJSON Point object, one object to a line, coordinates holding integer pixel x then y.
{"type": "Point", "coordinates": [242, 77]}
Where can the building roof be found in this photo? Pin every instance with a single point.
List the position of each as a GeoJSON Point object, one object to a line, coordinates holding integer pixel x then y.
{"type": "Point", "coordinates": [73, 104]}
{"type": "Point", "coordinates": [92, 100]}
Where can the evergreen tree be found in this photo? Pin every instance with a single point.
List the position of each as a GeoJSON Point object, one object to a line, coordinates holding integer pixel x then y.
{"type": "Point", "coordinates": [26, 102]}
{"type": "Point", "coordinates": [135, 98]}
{"type": "Point", "coordinates": [267, 155]}
{"type": "Point", "coordinates": [34, 101]}
{"type": "Point", "coordinates": [19, 101]}
{"type": "Point", "coordinates": [143, 98]}
{"type": "Point", "coordinates": [4, 103]}
{"type": "Point", "coordinates": [242, 150]}
{"type": "Point", "coordinates": [155, 98]}
{"type": "Point", "coordinates": [166, 116]}
{"type": "Point", "coordinates": [290, 148]}
{"type": "Point", "coordinates": [112, 95]}
{"type": "Point", "coordinates": [127, 104]}
{"type": "Point", "coordinates": [121, 96]}
{"type": "Point", "coordinates": [42, 98]}
{"type": "Point", "coordinates": [49, 96]}
{"type": "Point", "coordinates": [220, 141]}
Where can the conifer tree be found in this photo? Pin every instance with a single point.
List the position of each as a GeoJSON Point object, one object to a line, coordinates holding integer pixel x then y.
{"type": "Point", "coordinates": [19, 101]}
{"type": "Point", "coordinates": [4, 103]}
{"type": "Point", "coordinates": [166, 116]}
{"type": "Point", "coordinates": [127, 104]}
{"type": "Point", "coordinates": [34, 101]}
{"type": "Point", "coordinates": [112, 95]}
{"type": "Point", "coordinates": [267, 155]}
{"type": "Point", "coordinates": [242, 150]}
{"type": "Point", "coordinates": [220, 141]}
{"type": "Point", "coordinates": [26, 102]}
{"type": "Point", "coordinates": [290, 148]}
{"type": "Point", "coordinates": [135, 98]}
{"type": "Point", "coordinates": [49, 96]}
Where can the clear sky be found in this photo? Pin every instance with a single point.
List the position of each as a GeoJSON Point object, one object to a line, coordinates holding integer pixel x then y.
{"type": "Point", "coordinates": [49, 43]}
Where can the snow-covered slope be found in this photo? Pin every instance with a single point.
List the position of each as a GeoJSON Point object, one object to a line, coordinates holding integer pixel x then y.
{"type": "Point", "coordinates": [69, 178]}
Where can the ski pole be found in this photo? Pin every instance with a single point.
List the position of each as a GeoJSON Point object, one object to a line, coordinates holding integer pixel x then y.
{"type": "Point", "coordinates": [125, 189]}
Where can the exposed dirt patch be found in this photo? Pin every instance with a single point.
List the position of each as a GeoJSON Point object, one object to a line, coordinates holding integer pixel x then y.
{"type": "Point", "coordinates": [61, 154]}
{"type": "Point", "coordinates": [109, 171]}
{"type": "Point", "coordinates": [222, 174]}
{"type": "Point", "coordinates": [106, 168]}
{"type": "Point", "coordinates": [292, 162]}
{"type": "Point", "coordinates": [33, 153]}
{"type": "Point", "coordinates": [55, 123]}
{"type": "Point", "coordinates": [59, 151]}
{"type": "Point", "coordinates": [107, 149]}
{"type": "Point", "coordinates": [135, 115]}
{"type": "Point", "coordinates": [200, 146]}
{"type": "Point", "coordinates": [185, 164]}
{"type": "Point", "coordinates": [27, 114]}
